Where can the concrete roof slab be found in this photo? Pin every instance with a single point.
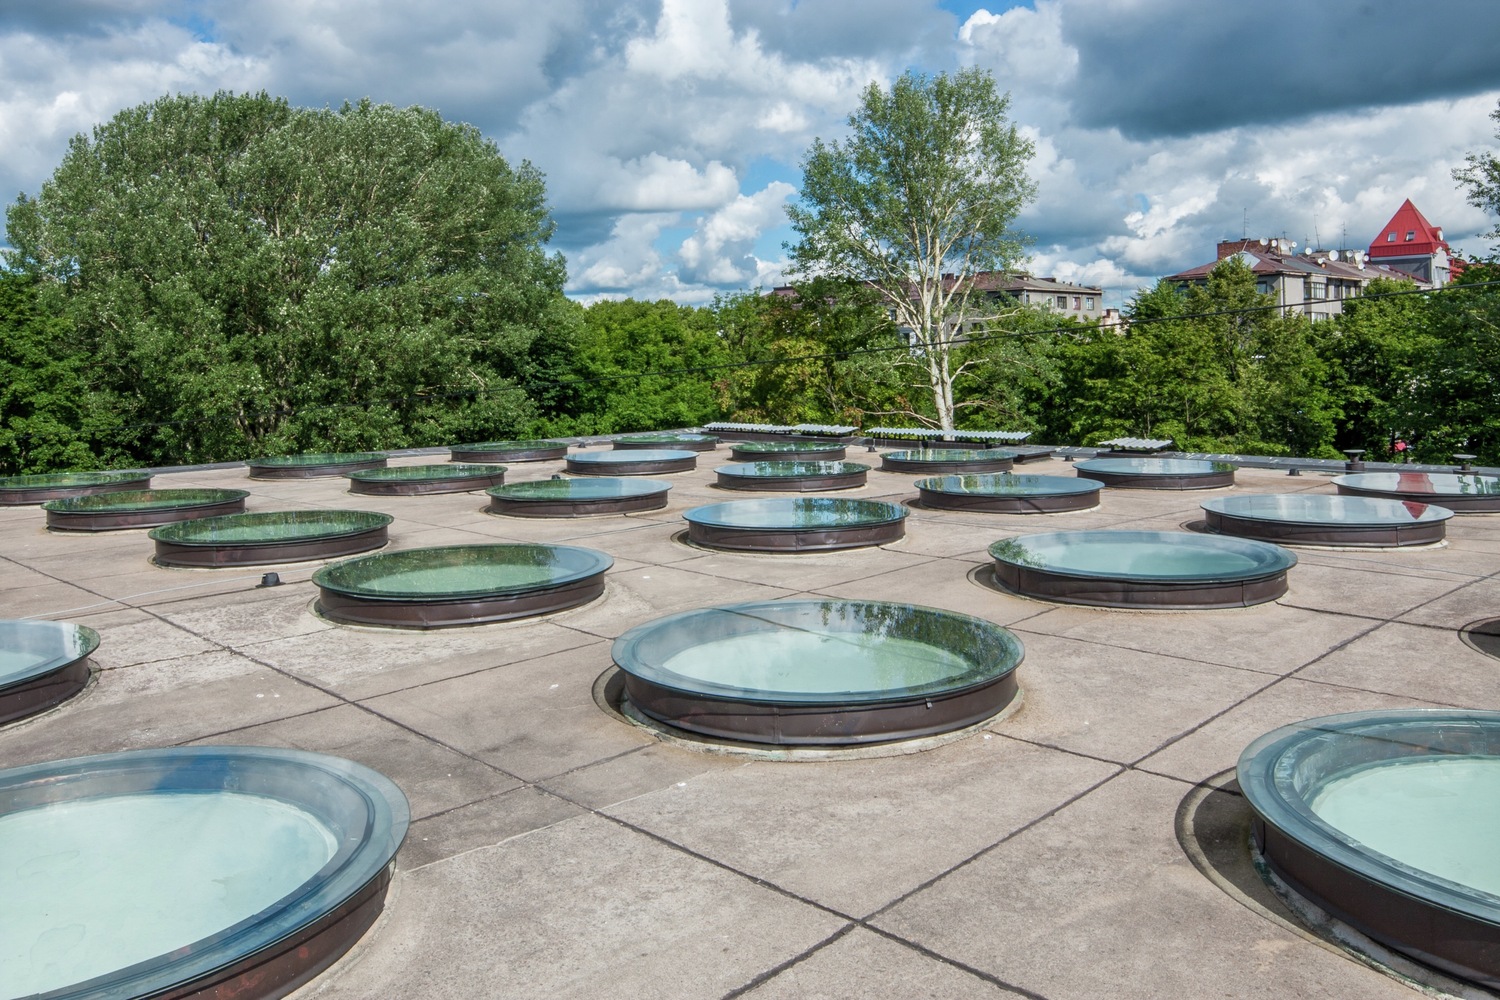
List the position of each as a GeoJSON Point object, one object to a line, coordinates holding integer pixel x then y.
{"type": "Point", "coordinates": [580, 908]}
{"type": "Point", "coordinates": [534, 719]}
{"type": "Point", "coordinates": [866, 965]}
{"type": "Point", "coordinates": [1370, 593]}
{"type": "Point", "coordinates": [803, 571]}
{"type": "Point", "coordinates": [1127, 916]}
{"type": "Point", "coordinates": [1429, 664]}
{"type": "Point", "coordinates": [857, 834]}
{"type": "Point", "coordinates": [363, 662]}
{"type": "Point", "coordinates": [435, 778]}
{"type": "Point", "coordinates": [482, 823]}
{"type": "Point", "coordinates": [1114, 703]}
{"type": "Point", "coordinates": [160, 705]}
{"type": "Point", "coordinates": [250, 615]}
{"type": "Point", "coordinates": [1272, 638]}
{"type": "Point", "coordinates": [1216, 745]}
{"type": "Point", "coordinates": [637, 772]}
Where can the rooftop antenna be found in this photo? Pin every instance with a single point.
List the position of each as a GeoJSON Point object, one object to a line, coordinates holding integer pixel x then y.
{"type": "Point", "coordinates": [1317, 236]}
{"type": "Point", "coordinates": [1245, 225]}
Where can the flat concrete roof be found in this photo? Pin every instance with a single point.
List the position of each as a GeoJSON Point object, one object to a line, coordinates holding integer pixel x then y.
{"type": "Point", "coordinates": [1091, 844]}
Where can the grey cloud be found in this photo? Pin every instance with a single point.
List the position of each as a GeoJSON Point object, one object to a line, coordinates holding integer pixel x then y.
{"type": "Point", "coordinates": [483, 64]}
{"type": "Point", "coordinates": [75, 18]}
{"type": "Point", "coordinates": [1160, 68]}
{"type": "Point", "coordinates": [817, 29]}
{"type": "Point", "coordinates": [1074, 223]}
{"type": "Point", "coordinates": [577, 231]}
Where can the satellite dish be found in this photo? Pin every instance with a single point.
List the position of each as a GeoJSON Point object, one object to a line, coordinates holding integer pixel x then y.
{"type": "Point", "coordinates": [1274, 244]}
{"type": "Point", "coordinates": [1262, 241]}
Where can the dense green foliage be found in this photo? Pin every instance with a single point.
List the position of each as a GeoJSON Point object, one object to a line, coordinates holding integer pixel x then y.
{"type": "Point", "coordinates": [926, 187]}
{"type": "Point", "coordinates": [634, 366]}
{"type": "Point", "coordinates": [47, 409]}
{"type": "Point", "coordinates": [1457, 382]}
{"type": "Point", "coordinates": [820, 354]}
{"type": "Point", "coordinates": [1398, 364]}
{"type": "Point", "coordinates": [244, 277]}
{"type": "Point", "coordinates": [1213, 367]}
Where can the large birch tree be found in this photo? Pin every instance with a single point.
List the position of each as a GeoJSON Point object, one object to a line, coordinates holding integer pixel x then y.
{"type": "Point", "coordinates": [920, 197]}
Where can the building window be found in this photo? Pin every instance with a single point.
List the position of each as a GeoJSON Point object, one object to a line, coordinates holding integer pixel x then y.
{"type": "Point", "coordinates": [1390, 237]}
{"type": "Point", "coordinates": [1411, 234]}
{"type": "Point", "coordinates": [1088, 304]}
{"type": "Point", "coordinates": [1062, 302]}
{"type": "Point", "coordinates": [1077, 303]}
{"type": "Point", "coordinates": [1316, 290]}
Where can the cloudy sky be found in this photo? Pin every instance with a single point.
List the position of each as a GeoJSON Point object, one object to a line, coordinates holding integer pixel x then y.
{"type": "Point", "coordinates": [670, 131]}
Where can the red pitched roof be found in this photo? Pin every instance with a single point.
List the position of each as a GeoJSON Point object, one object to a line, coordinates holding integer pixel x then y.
{"type": "Point", "coordinates": [1408, 234]}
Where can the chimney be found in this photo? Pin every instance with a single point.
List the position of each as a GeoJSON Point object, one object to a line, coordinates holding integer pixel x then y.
{"type": "Point", "coordinates": [1228, 248]}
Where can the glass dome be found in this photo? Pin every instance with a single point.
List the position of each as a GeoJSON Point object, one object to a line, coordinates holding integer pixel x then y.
{"type": "Point", "coordinates": [311, 465]}
{"type": "Point", "coordinates": [140, 508]}
{"type": "Point", "coordinates": [819, 671]}
{"type": "Point", "coordinates": [632, 462]}
{"type": "Point", "coordinates": [1158, 473]}
{"type": "Point", "coordinates": [792, 476]}
{"type": "Point", "coordinates": [509, 451]}
{"type": "Point", "coordinates": [460, 584]}
{"type": "Point", "coordinates": [22, 490]}
{"type": "Point", "coordinates": [578, 497]}
{"type": "Point", "coordinates": [42, 664]}
{"type": "Point", "coordinates": [1009, 493]}
{"type": "Point", "coordinates": [948, 460]}
{"type": "Point", "coordinates": [1158, 569]}
{"type": "Point", "coordinates": [666, 440]}
{"type": "Point", "coordinates": [1462, 494]}
{"type": "Point", "coordinates": [796, 524]}
{"type": "Point", "coordinates": [268, 537]}
{"type": "Point", "coordinates": [808, 451]}
{"type": "Point", "coordinates": [1387, 819]}
{"type": "Point", "coordinates": [412, 480]}
{"type": "Point", "coordinates": [246, 865]}
{"type": "Point", "coordinates": [1319, 519]}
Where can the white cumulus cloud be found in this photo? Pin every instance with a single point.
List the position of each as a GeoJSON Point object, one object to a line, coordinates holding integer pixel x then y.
{"type": "Point", "coordinates": [720, 250]}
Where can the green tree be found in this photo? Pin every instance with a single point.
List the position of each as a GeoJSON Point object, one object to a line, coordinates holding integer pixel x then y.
{"type": "Point", "coordinates": [1481, 175]}
{"type": "Point", "coordinates": [1010, 366]}
{"type": "Point", "coordinates": [249, 277]}
{"type": "Point", "coordinates": [816, 353]}
{"type": "Point", "coordinates": [919, 198]}
{"type": "Point", "coordinates": [1165, 377]}
{"type": "Point", "coordinates": [1212, 366]}
{"type": "Point", "coordinates": [632, 368]}
{"type": "Point", "coordinates": [1376, 352]}
{"type": "Point", "coordinates": [1456, 383]}
{"type": "Point", "coordinates": [47, 403]}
